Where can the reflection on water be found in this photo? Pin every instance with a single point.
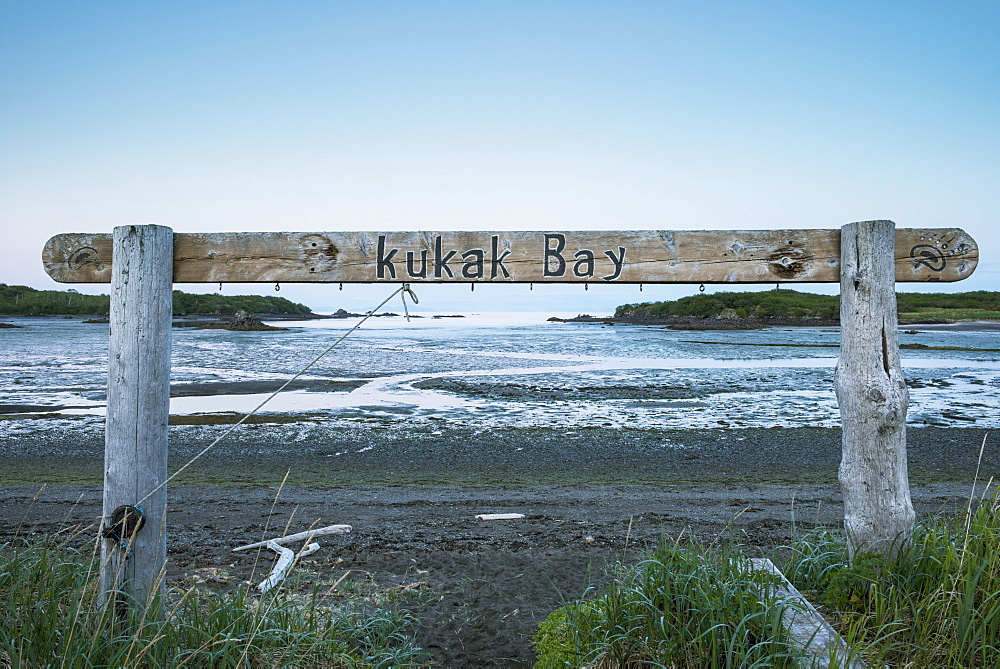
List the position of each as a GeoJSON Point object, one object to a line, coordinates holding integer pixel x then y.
{"type": "Point", "coordinates": [497, 370]}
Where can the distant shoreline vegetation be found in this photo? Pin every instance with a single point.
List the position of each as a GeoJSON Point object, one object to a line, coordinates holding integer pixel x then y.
{"type": "Point", "coordinates": [25, 301]}
{"type": "Point", "coordinates": [773, 305]}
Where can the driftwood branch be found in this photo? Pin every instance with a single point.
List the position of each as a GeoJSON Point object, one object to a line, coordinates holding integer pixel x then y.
{"type": "Point", "coordinates": [806, 628]}
{"type": "Point", "coordinates": [286, 558]}
{"type": "Point", "coordinates": [298, 536]}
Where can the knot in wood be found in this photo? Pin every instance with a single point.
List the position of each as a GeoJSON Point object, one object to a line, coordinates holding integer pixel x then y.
{"type": "Point", "coordinates": [318, 251]}
{"type": "Point", "coordinates": [787, 262]}
{"type": "Point", "coordinates": [875, 394]}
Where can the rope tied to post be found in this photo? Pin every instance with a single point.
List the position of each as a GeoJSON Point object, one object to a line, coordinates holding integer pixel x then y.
{"type": "Point", "coordinates": [405, 289]}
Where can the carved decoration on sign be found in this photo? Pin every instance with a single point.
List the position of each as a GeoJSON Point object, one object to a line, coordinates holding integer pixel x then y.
{"type": "Point", "coordinates": [929, 256]}
{"type": "Point", "coordinates": [82, 257]}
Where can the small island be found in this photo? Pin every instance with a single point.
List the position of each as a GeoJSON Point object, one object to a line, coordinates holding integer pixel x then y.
{"type": "Point", "coordinates": [750, 310]}
{"type": "Point", "coordinates": [27, 301]}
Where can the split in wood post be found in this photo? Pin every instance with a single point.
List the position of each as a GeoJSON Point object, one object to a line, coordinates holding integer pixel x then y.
{"type": "Point", "coordinates": [872, 395]}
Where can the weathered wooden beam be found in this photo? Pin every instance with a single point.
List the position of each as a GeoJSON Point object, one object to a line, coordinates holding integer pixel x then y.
{"type": "Point", "coordinates": [135, 448]}
{"type": "Point", "coordinates": [872, 395]}
{"type": "Point", "coordinates": [806, 628]}
{"type": "Point", "coordinates": [631, 256]}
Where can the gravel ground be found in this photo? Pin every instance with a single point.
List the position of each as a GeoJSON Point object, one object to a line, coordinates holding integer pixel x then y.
{"type": "Point", "coordinates": [478, 588]}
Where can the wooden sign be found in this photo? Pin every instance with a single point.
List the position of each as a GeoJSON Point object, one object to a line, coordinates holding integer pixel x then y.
{"type": "Point", "coordinates": [629, 256]}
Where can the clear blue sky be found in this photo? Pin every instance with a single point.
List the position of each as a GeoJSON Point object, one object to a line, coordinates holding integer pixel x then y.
{"type": "Point", "coordinates": [295, 115]}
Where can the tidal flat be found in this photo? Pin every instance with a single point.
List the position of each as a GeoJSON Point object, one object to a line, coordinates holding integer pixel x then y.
{"type": "Point", "coordinates": [312, 452]}
{"type": "Point", "coordinates": [608, 439]}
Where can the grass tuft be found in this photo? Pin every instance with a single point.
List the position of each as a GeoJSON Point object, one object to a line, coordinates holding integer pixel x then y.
{"type": "Point", "coordinates": [49, 617]}
{"type": "Point", "coordinates": [937, 603]}
{"type": "Point", "coordinates": [684, 606]}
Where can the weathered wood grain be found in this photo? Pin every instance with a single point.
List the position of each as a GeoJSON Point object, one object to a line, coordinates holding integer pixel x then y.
{"type": "Point", "coordinates": [135, 448]}
{"type": "Point", "coordinates": [286, 558]}
{"type": "Point", "coordinates": [631, 256]}
{"type": "Point", "coordinates": [307, 536]}
{"type": "Point", "coordinates": [806, 628]}
{"type": "Point", "coordinates": [871, 392]}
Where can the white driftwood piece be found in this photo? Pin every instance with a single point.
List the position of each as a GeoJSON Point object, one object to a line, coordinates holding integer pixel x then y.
{"type": "Point", "coordinates": [298, 536]}
{"type": "Point", "coordinates": [499, 516]}
{"type": "Point", "coordinates": [871, 392]}
{"type": "Point", "coordinates": [286, 558]}
{"type": "Point", "coordinates": [806, 628]}
{"type": "Point", "coordinates": [135, 441]}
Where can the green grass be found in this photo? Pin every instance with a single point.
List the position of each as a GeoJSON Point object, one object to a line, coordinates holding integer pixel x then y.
{"type": "Point", "coordinates": [791, 304]}
{"type": "Point", "coordinates": [684, 606]}
{"type": "Point", "coordinates": [49, 616]}
{"type": "Point", "coordinates": [26, 301]}
{"type": "Point", "coordinates": [936, 604]}
{"type": "Point", "coordinates": [946, 314]}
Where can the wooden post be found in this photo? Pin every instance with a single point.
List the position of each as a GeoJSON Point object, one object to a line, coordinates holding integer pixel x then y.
{"type": "Point", "coordinates": [878, 513]}
{"type": "Point", "coordinates": [135, 451]}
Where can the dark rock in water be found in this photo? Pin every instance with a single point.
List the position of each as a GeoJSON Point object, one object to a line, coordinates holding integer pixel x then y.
{"type": "Point", "coordinates": [446, 316]}
{"type": "Point", "coordinates": [9, 325]}
{"type": "Point", "coordinates": [241, 322]}
{"type": "Point", "coordinates": [101, 321]}
{"type": "Point", "coordinates": [582, 318]}
{"type": "Point", "coordinates": [343, 313]}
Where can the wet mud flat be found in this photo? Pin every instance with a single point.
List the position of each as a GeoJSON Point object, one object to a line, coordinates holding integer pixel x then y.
{"type": "Point", "coordinates": [477, 589]}
{"type": "Point", "coordinates": [311, 450]}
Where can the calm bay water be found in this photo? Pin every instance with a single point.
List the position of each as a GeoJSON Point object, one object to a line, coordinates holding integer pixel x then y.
{"type": "Point", "coordinates": [499, 370]}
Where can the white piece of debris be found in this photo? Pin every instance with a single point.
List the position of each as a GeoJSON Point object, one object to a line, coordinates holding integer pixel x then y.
{"type": "Point", "coordinates": [306, 536]}
{"type": "Point", "coordinates": [806, 628]}
{"type": "Point", "coordinates": [286, 558]}
{"type": "Point", "coordinates": [499, 516]}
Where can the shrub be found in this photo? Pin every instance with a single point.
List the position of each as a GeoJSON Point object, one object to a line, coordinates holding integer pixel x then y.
{"type": "Point", "coordinates": [684, 606]}
{"type": "Point", "coordinates": [937, 603]}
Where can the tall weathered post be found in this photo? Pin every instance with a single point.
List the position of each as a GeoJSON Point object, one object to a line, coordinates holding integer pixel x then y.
{"type": "Point", "coordinates": [135, 450]}
{"type": "Point", "coordinates": [878, 513]}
